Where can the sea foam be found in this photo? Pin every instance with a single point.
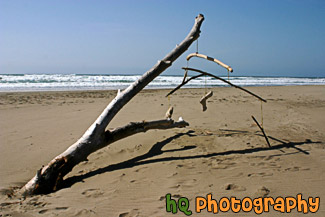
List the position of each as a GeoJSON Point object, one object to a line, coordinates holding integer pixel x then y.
{"type": "Point", "coordinates": [48, 82]}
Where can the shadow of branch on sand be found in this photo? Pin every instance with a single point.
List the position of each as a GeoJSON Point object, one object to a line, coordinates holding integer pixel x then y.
{"type": "Point", "coordinates": [156, 150]}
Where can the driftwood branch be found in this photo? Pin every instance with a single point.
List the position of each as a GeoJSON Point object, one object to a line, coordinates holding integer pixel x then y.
{"type": "Point", "coordinates": [221, 79]}
{"type": "Point", "coordinates": [141, 127]}
{"type": "Point", "coordinates": [48, 178]}
{"type": "Point", "coordinates": [169, 112]}
{"type": "Point", "coordinates": [204, 99]}
{"type": "Point", "coordinates": [262, 129]}
{"type": "Point", "coordinates": [210, 59]}
{"type": "Point", "coordinates": [183, 83]}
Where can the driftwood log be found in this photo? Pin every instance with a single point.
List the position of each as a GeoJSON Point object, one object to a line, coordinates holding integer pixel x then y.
{"type": "Point", "coordinates": [49, 177]}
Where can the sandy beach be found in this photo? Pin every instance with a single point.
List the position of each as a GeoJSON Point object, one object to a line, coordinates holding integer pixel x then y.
{"type": "Point", "coordinates": [222, 152]}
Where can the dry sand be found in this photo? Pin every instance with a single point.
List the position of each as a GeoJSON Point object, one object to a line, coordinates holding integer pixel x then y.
{"type": "Point", "coordinates": [222, 151]}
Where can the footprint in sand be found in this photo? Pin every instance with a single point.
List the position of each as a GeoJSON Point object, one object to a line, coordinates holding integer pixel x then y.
{"type": "Point", "coordinates": [85, 212]}
{"type": "Point", "coordinates": [269, 158]}
{"type": "Point", "coordinates": [174, 174]}
{"type": "Point", "coordinates": [61, 208]}
{"type": "Point", "coordinates": [221, 165]}
{"type": "Point", "coordinates": [132, 213]}
{"type": "Point", "coordinates": [92, 193]}
{"type": "Point", "coordinates": [188, 183]}
{"type": "Point", "coordinates": [274, 165]}
{"type": "Point", "coordinates": [176, 186]}
{"type": "Point", "coordinates": [262, 174]}
{"type": "Point", "coordinates": [262, 192]}
{"type": "Point", "coordinates": [234, 187]}
{"type": "Point", "coordinates": [35, 202]}
{"type": "Point", "coordinates": [292, 169]}
{"type": "Point", "coordinates": [179, 166]}
{"type": "Point", "coordinates": [140, 169]}
{"type": "Point", "coordinates": [43, 211]}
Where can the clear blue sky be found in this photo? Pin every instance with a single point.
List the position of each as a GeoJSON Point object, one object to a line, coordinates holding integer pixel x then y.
{"type": "Point", "coordinates": [268, 38]}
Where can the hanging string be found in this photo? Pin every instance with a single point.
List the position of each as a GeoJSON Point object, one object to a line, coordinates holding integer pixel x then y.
{"type": "Point", "coordinates": [185, 73]}
{"type": "Point", "coordinates": [261, 113]}
{"type": "Point", "coordinates": [205, 84]}
{"type": "Point", "coordinates": [205, 77]}
{"type": "Point", "coordinates": [169, 101]}
{"type": "Point", "coordinates": [228, 74]}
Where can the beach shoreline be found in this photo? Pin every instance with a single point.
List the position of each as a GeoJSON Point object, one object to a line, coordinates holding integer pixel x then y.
{"type": "Point", "coordinates": [93, 82]}
{"type": "Point", "coordinates": [222, 151]}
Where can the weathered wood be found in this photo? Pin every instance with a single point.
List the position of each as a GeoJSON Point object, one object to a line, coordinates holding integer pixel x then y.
{"type": "Point", "coordinates": [221, 79]}
{"type": "Point", "coordinates": [141, 127]}
{"type": "Point", "coordinates": [169, 112]}
{"type": "Point", "coordinates": [210, 59]}
{"type": "Point", "coordinates": [262, 129]}
{"type": "Point", "coordinates": [204, 99]}
{"type": "Point", "coordinates": [48, 178]}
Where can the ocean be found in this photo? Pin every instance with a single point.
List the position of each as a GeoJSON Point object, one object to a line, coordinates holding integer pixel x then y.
{"type": "Point", "coordinates": [58, 82]}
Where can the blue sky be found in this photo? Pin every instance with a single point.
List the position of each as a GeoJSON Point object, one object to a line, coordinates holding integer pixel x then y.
{"type": "Point", "coordinates": [267, 38]}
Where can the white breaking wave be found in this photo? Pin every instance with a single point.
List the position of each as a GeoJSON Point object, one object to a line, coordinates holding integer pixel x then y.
{"type": "Point", "coordinates": [48, 82]}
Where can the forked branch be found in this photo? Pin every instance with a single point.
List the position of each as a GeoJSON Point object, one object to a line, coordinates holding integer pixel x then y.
{"type": "Point", "coordinates": [96, 137]}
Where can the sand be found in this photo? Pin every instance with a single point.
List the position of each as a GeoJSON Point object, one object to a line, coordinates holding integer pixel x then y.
{"type": "Point", "coordinates": [222, 152]}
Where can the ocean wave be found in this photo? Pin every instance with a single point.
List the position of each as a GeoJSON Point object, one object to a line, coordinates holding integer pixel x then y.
{"type": "Point", "coordinates": [45, 82]}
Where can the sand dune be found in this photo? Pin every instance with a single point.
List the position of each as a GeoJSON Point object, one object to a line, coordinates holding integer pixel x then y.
{"type": "Point", "coordinates": [222, 151]}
